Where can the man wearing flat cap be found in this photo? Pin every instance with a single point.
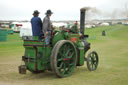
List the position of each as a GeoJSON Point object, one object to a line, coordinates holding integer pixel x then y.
{"type": "Point", "coordinates": [47, 27]}
{"type": "Point", "coordinates": [36, 24]}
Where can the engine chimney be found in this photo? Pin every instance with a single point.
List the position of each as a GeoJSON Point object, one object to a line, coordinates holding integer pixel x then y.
{"type": "Point", "coordinates": [82, 19]}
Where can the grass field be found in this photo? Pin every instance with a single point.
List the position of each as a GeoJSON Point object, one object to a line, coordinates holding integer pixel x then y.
{"type": "Point", "coordinates": [112, 70]}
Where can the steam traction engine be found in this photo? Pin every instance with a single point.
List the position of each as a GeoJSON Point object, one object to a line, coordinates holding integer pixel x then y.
{"type": "Point", "coordinates": [67, 51]}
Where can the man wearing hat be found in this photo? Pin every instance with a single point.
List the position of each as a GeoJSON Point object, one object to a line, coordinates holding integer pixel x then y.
{"type": "Point", "coordinates": [47, 27]}
{"type": "Point", "coordinates": [36, 24]}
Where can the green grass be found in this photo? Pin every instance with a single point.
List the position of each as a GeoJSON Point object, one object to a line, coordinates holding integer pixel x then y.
{"type": "Point", "coordinates": [112, 70]}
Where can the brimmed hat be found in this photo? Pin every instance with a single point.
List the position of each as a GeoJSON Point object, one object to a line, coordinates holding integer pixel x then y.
{"type": "Point", "coordinates": [36, 12]}
{"type": "Point", "coordinates": [49, 12]}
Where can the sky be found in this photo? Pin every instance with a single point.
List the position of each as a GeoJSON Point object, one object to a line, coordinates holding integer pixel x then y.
{"type": "Point", "coordinates": [62, 9]}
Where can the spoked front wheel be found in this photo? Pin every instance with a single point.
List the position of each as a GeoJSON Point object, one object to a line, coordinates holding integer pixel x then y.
{"type": "Point", "coordinates": [92, 61]}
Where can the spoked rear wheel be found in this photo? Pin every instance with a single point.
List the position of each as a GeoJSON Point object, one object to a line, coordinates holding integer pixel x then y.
{"type": "Point", "coordinates": [92, 61]}
{"type": "Point", "coordinates": [63, 58]}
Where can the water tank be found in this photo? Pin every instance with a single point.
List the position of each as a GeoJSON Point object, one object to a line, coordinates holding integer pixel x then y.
{"type": "Point", "coordinates": [3, 34]}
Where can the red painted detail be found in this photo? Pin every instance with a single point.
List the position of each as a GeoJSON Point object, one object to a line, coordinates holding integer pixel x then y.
{"type": "Point", "coordinates": [67, 30]}
{"type": "Point", "coordinates": [18, 25]}
{"type": "Point", "coordinates": [66, 59]}
{"type": "Point", "coordinates": [73, 39]}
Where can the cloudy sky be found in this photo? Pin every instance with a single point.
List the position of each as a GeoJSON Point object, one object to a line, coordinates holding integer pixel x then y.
{"type": "Point", "coordinates": [62, 9]}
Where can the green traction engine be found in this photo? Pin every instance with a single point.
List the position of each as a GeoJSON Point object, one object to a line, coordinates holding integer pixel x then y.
{"type": "Point", "coordinates": [67, 51]}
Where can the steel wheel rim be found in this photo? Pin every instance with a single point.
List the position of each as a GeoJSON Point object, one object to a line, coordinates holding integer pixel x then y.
{"type": "Point", "coordinates": [92, 61]}
{"type": "Point", "coordinates": [66, 59]}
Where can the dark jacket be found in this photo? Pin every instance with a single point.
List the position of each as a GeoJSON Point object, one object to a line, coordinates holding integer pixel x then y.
{"type": "Point", "coordinates": [36, 26]}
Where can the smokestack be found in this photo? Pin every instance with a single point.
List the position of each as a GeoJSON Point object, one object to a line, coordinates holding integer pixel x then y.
{"type": "Point", "coordinates": [82, 19]}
